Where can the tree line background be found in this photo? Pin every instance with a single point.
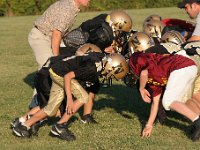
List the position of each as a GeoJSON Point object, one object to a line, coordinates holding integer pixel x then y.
{"type": "Point", "coordinates": [36, 7]}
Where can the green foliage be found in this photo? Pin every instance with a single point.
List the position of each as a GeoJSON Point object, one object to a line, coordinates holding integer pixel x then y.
{"type": "Point", "coordinates": [33, 7]}
{"type": "Point", "coordinates": [130, 4]}
{"type": "Point", "coordinates": [23, 7]}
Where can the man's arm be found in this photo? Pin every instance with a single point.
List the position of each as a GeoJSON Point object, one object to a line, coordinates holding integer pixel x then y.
{"type": "Point", "coordinates": [55, 42]}
{"type": "Point", "coordinates": [194, 38]}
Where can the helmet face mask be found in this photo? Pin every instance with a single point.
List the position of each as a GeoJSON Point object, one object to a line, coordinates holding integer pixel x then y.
{"type": "Point", "coordinates": [121, 38]}
{"type": "Point", "coordinates": [121, 23]}
{"type": "Point", "coordinates": [153, 28]}
{"type": "Point", "coordinates": [114, 66]}
{"type": "Point", "coordinates": [139, 42]}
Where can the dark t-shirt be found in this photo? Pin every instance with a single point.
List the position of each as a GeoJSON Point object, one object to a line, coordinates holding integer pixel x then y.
{"type": "Point", "coordinates": [83, 67]}
{"type": "Point", "coordinates": [158, 49]}
{"type": "Point", "coordinates": [99, 31]}
{"type": "Point", "coordinates": [93, 23]}
{"type": "Point", "coordinates": [95, 31]}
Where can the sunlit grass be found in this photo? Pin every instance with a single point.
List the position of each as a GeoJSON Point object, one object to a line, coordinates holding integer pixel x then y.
{"type": "Point", "coordinates": [118, 109]}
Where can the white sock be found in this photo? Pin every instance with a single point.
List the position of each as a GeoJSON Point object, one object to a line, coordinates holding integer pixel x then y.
{"type": "Point", "coordinates": [21, 119]}
{"type": "Point", "coordinates": [28, 116]}
{"type": "Point", "coordinates": [195, 119]}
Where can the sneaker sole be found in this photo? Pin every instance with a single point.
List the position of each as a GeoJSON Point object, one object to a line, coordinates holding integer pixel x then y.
{"type": "Point", "coordinates": [16, 133]}
{"type": "Point", "coordinates": [84, 122]}
{"type": "Point", "coordinates": [54, 133]}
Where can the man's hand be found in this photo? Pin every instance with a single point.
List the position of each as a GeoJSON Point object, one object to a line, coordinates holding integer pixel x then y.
{"type": "Point", "coordinates": [109, 50]}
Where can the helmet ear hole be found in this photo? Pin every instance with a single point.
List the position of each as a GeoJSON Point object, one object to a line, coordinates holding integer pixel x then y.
{"type": "Point", "coordinates": [115, 66]}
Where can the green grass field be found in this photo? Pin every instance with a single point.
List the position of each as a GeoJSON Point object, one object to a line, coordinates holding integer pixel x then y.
{"type": "Point", "coordinates": [118, 109]}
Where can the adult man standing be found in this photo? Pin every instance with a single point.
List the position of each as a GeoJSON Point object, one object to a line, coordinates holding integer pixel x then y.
{"type": "Point", "coordinates": [192, 8]}
{"type": "Point", "coordinates": [48, 30]}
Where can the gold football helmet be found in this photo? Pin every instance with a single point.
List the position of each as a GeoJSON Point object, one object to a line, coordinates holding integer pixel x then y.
{"type": "Point", "coordinates": [119, 20]}
{"type": "Point", "coordinates": [139, 42]}
{"type": "Point", "coordinates": [153, 17]}
{"type": "Point", "coordinates": [86, 48]}
{"type": "Point", "coordinates": [114, 66]}
{"type": "Point", "coordinates": [172, 37]}
{"type": "Point", "coordinates": [153, 28]}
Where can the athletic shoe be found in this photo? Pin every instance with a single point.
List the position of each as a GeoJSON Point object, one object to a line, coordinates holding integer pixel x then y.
{"type": "Point", "coordinates": [14, 123]}
{"type": "Point", "coordinates": [21, 131]}
{"type": "Point", "coordinates": [196, 130]}
{"type": "Point", "coordinates": [88, 119]}
{"type": "Point", "coordinates": [35, 128]}
{"type": "Point", "coordinates": [61, 131]}
{"type": "Point", "coordinates": [17, 121]}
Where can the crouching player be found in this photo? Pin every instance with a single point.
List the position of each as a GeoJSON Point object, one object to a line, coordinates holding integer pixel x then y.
{"type": "Point", "coordinates": [101, 31]}
{"type": "Point", "coordinates": [165, 72]}
{"type": "Point", "coordinates": [86, 68]}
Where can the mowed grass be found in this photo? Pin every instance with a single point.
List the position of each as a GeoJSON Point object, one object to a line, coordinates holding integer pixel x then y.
{"type": "Point", "coordinates": [118, 109]}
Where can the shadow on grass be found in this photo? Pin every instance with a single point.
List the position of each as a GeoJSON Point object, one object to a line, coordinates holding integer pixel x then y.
{"type": "Point", "coordinates": [128, 99]}
{"type": "Point", "coordinates": [53, 120]}
{"type": "Point", "coordinates": [178, 125]}
{"type": "Point", "coordinates": [29, 79]}
{"type": "Point", "coordinates": [123, 99]}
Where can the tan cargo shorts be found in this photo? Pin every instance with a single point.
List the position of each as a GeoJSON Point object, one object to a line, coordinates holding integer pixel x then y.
{"type": "Point", "coordinates": [57, 93]}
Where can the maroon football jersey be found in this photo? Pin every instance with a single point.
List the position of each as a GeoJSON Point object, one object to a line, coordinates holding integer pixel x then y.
{"type": "Point", "coordinates": [159, 67]}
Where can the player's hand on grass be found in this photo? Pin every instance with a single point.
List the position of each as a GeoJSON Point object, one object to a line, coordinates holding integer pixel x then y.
{"type": "Point", "coordinates": [147, 131]}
